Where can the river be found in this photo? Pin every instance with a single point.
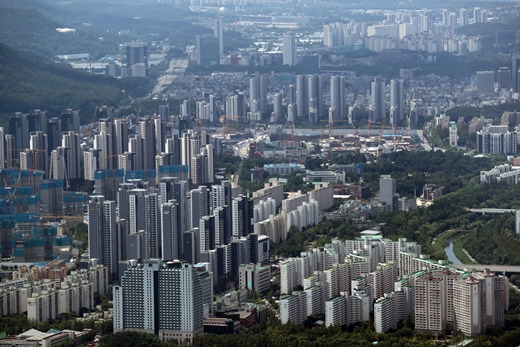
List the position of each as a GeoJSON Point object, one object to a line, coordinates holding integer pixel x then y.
{"type": "Point", "coordinates": [451, 255]}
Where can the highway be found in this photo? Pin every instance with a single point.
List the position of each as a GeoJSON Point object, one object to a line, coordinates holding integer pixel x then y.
{"type": "Point", "coordinates": [492, 268]}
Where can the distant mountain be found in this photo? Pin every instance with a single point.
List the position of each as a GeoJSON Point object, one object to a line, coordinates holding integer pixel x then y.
{"type": "Point", "coordinates": [100, 27]}
{"type": "Point", "coordinates": [29, 30]}
{"type": "Point", "coordinates": [27, 82]}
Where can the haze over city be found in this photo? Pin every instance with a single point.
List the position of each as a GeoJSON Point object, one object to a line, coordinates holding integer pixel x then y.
{"type": "Point", "coordinates": [259, 172]}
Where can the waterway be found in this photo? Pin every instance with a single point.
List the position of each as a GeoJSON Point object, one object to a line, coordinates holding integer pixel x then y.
{"type": "Point", "coordinates": [451, 255]}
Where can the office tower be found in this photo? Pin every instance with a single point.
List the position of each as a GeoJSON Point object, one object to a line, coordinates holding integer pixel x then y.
{"type": "Point", "coordinates": [396, 101]}
{"type": "Point", "coordinates": [515, 70]}
{"type": "Point", "coordinates": [486, 82]}
{"type": "Point", "coordinates": [207, 50]}
{"type": "Point", "coordinates": [289, 49]}
{"type": "Point", "coordinates": [102, 240]}
{"type": "Point", "coordinates": [163, 298]}
{"type": "Point", "coordinates": [377, 100]}
{"type": "Point", "coordinates": [218, 33]}
{"type": "Point", "coordinates": [315, 93]}
{"type": "Point", "coordinates": [137, 54]}
{"type": "Point", "coordinates": [504, 78]}
{"type": "Point", "coordinates": [430, 304]}
{"type": "Point", "coordinates": [387, 191]}
{"type": "Point", "coordinates": [2, 149]}
{"type": "Point", "coordinates": [258, 93]}
{"type": "Point", "coordinates": [302, 97]}
{"type": "Point", "coordinates": [337, 97]}
{"type": "Point", "coordinates": [70, 142]}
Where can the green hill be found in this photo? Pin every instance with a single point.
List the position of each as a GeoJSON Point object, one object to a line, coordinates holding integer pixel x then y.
{"type": "Point", "coordinates": [28, 81]}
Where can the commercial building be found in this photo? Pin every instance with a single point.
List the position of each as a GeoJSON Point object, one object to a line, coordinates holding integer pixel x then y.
{"type": "Point", "coordinates": [255, 277]}
{"type": "Point", "coordinates": [162, 298]}
{"type": "Point", "coordinates": [486, 82]}
{"type": "Point", "coordinates": [136, 61]}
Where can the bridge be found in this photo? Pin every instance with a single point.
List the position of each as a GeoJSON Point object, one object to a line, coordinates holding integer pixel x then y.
{"type": "Point", "coordinates": [492, 268]}
{"type": "Point", "coordinates": [491, 210]}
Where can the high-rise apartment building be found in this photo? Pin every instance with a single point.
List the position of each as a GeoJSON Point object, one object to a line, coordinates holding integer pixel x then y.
{"type": "Point", "coordinates": [302, 97]}
{"type": "Point", "coordinates": [396, 101]}
{"type": "Point", "coordinates": [163, 298]}
{"type": "Point", "coordinates": [515, 70]}
{"type": "Point", "coordinates": [377, 101]}
{"type": "Point", "coordinates": [70, 142]}
{"type": "Point", "coordinates": [258, 93]}
{"type": "Point", "coordinates": [102, 234]}
{"type": "Point", "coordinates": [289, 49]}
{"type": "Point", "coordinates": [315, 94]}
{"type": "Point", "coordinates": [218, 33]}
{"type": "Point", "coordinates": [387, 191]}
{"type": "Point", "coordinates": [430, 304]}
{"type": "Point", "coordinates": [497, 139]}
{"type": "Point", "coordinates": [469, 301]}
{"type": "Point", "coordinates": [337, 98]}
{"type": "Point", "coordinates": [2, 149]}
